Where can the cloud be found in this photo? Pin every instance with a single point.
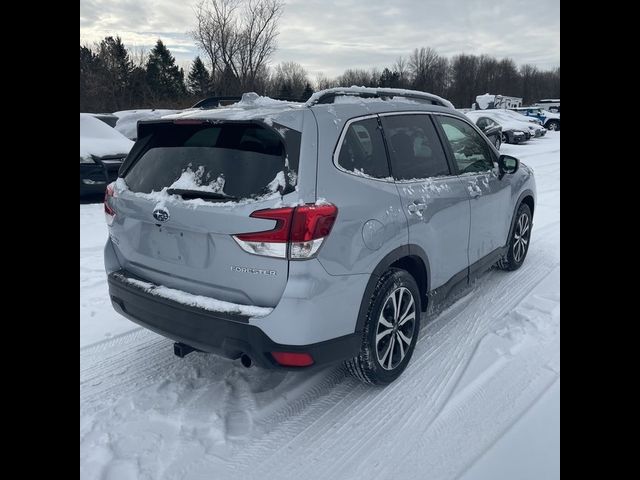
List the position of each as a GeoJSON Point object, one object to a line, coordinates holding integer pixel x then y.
{"type": "Point", "coordinates": [331, 36]}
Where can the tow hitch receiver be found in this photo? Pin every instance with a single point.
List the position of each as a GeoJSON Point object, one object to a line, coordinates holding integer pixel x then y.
{"type": "Point", "coordinates": [182, 350]}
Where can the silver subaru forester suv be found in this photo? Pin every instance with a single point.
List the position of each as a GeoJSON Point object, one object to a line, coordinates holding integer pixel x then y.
{"type": "Point", "coordinates": [295, 235]}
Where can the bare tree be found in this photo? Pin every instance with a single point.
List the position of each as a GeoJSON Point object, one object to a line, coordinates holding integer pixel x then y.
{"type": "Point", "coordinates": [238, 36]}
{"type": "Point", "coordinates": [402, 68]}
{"type": "Point", "coordinates": [323, 82]}
{"type": "Point", "coordinates": [355, 76]}
{"type": "Point", "coordinates": [423, 65]}
{"type": "Point", "coordinates": [289, 80]}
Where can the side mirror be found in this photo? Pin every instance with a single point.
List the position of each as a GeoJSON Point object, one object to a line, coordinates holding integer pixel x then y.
{"type": "Point", "coordinates": [508, 164]}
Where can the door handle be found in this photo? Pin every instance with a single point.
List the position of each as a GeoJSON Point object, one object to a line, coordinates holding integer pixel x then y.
{"type": "Point", "coordinates": [416, 207]}
{"type": "Point", "coordinates": [474, 193]}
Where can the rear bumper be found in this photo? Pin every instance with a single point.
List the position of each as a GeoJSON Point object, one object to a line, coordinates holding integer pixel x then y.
{"type": "Point", "coordinates": [223, 334]}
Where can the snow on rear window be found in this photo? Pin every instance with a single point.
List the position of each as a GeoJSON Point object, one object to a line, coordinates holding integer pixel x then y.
{"type": "Point", "coordinates": [240, 161]}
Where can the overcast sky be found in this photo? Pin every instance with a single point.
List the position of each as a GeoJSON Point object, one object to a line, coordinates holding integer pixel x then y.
{"type": "Point", "coordinates": [331, 36]}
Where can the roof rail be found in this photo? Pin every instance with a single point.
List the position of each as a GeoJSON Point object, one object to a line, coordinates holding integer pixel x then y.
{"type": "Point", "coordinates": [329, 95]}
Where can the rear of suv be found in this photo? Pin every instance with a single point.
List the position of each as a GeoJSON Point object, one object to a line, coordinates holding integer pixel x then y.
{"type": "Point", "coordinates": [299, 235]}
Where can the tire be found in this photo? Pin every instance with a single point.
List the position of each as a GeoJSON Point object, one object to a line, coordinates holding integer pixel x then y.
{"type": "Point", "coordinates": [553, 125]}
{"type": "Point", "coordinates": [381, 362]}
{"type": "Point", "coordinates": [505, 138]}
{"type": "Point", "coordinates": [498, 141]}
{"type": "Point", "coordinates": [518, 242]}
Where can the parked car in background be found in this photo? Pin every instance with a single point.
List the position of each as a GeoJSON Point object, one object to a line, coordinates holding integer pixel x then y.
{"type": "Point", "coordinates": [215, 102]}
{"type": "Point", "coordinates": [513, 131]}
{"type": "Point", "coordinates": [108, 118]}
{"type": "Point", "coordinates": [550, 104]}
{"type": "Point", "coordinates": [540, 131]}
{"type": "Point", "coordinates": [264, 233]}
{"type": "Point", "coordinates": [127, 123]}
{"type": "Point", "coordinates": [550, 121]}
{"type": "Point", "coordinates": [491, 129]}
{"type": "Point", "coordinates": [102, 151]}
{"type": "Point", "coordinates": [521, 117]}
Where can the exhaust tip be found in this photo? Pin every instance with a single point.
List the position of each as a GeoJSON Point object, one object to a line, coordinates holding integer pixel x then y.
{"type": "Point", "coordinates": [246, 360]}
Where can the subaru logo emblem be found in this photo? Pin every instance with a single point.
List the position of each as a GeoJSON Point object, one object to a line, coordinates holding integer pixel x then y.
{"type": "Point", "coordinates": [161, 214]}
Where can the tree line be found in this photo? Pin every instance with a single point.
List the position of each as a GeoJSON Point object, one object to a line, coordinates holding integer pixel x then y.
{"type": "Point", "coordinates": [238, 39]}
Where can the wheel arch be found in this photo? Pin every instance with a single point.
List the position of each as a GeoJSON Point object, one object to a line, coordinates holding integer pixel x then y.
{"type": "Point", "coordinates": [411, 258]}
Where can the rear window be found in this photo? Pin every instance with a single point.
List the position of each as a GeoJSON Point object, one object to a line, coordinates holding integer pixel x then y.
{"type": "Point", "coordinates": [235, 160]}
{"type": "Point", "coordinates": [362, 151]}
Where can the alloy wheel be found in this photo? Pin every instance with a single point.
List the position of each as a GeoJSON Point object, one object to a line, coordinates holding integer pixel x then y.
{"type": "Point", "coordinates": [521, 237]}
{"type": "Point", "coordinates": [396, 326]}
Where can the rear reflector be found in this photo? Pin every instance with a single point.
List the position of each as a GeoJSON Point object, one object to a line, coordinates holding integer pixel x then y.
{"type": "Point", "coordinates": [291, 359]}
{"type": "Point", "coordinates": [109, 212]}
{"type": "Point", "coordinates": [297, 234]}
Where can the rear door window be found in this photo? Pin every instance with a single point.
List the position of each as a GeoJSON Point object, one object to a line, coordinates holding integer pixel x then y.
{"type": "Point", "coordinates": [362, 150]}
{"type": "Point", "coordinates": [414, 147]}
{"type": "Point", "coordinates": [235, 160]}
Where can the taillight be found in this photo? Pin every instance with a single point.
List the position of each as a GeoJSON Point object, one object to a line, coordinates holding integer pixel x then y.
{"type": "Point", "coordinates": [298, 233]}
{"type": "Point", "coordinates": [311, 224]}
{"type": "Point", "coordinates": [293, 359]}
{"type": "Point", "coordinates": [109, 213]}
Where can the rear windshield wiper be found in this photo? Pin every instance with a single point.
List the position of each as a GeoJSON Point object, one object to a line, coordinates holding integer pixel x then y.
{"type": "Point", "coordinates": [184, 193]}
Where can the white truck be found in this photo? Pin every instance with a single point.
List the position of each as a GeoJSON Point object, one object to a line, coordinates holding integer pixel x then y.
{"type": "Point", "coordinates": [551, 104]}
{"type": "Point", "coordinates": [486, 101]}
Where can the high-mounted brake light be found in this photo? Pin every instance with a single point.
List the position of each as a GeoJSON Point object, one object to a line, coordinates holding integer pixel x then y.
{"type": "Point", "coordinates": [297, 234]}
{"type": "Point", "coordinates": [188, 122]}
{"type": "Point", "coordinates": [109, 212]}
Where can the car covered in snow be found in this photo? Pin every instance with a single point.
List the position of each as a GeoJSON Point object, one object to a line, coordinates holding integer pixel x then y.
{"type": "Point", "coordinates": [513, 131]}
{"type": "Point", "coordinates": [295, 235]}
{"type": "Point", "coordinates": [102, 151]}
{"type": "Point", "coordinates": [127, 120]}
{"type": "Point", "coordinates": [492, 130]}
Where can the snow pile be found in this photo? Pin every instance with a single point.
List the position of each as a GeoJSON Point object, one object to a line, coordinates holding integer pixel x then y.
{"type": "Point", "coordinates": [190, 180]}
{"type": "Point", "coordinates": [278, 183]}
{"type": "Point", "coordinates": [127, 123]}
{"type": "Point", "coordinates": [253, 100]}
{"type": "Point", "coordinates": [251, 106]}
{"type": "Point", "coordinates": [199, 301]}
{"type": "Point", "coordinates": [99, 139]}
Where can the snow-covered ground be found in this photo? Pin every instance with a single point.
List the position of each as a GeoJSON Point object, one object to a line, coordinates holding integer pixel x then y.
{"type": "Point", "coordinates": [479, 400]}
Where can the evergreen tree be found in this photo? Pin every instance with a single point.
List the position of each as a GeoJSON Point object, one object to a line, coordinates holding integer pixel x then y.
{"type": "Point", "coordinates": [285, 91]}
{"type": "Point", "coordinates": [307, 92]}
{"type": "Point", "coordinates": [164, 78]}
{"type": "Point", "coordinates": [198, 80]}
{"type": "Point", "coordinates": [389, 79]}
{"type": "Point", "coordinates": [112, 68]}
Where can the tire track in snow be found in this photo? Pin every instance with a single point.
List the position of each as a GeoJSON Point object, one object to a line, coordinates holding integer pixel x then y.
{"type": "Point", "coordinates": [138, 358]}
{"type": "Point", "coordinates": [452, 369]}
{"type": "Point", "coordinates": [318, 428]}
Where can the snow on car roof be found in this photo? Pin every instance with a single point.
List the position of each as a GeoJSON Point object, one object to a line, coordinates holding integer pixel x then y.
{"type": "Point", "coordinates": [99, 139]}
{"type": "Point", "coordinates": [252, 106]}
